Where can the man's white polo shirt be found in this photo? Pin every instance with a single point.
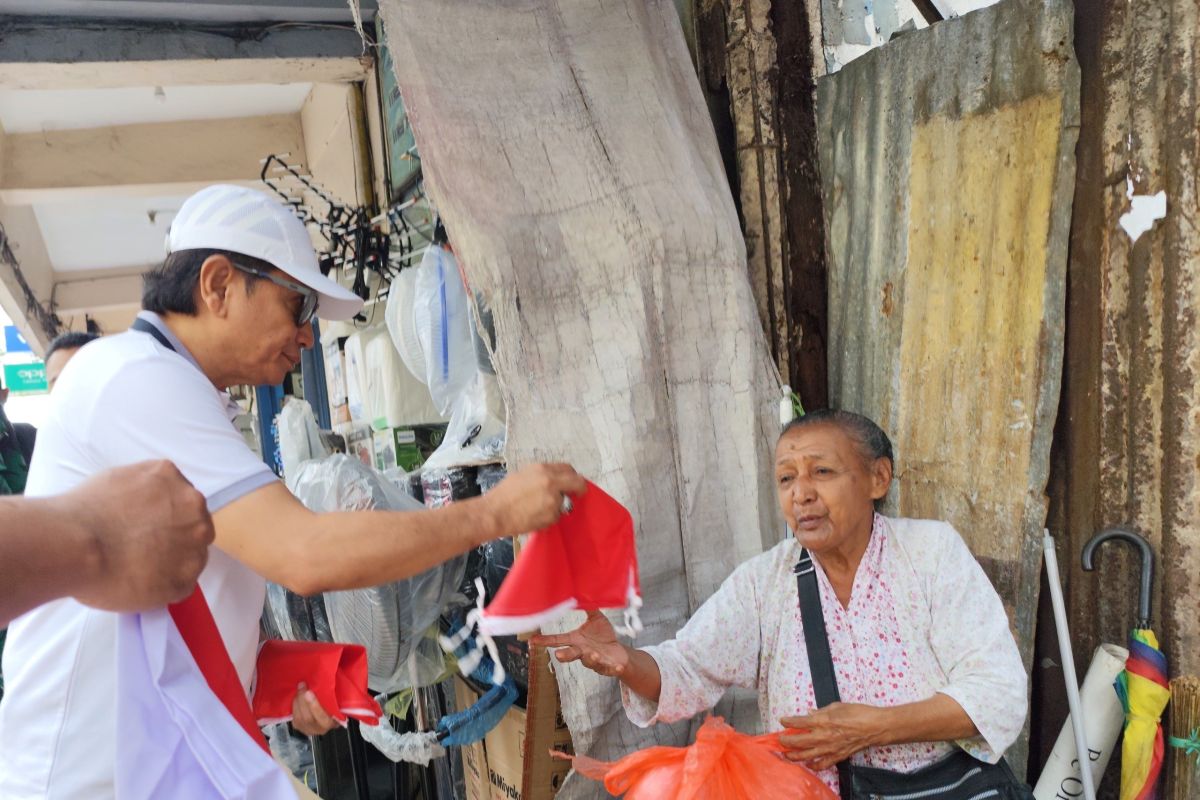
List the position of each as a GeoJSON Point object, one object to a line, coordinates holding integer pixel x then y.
{"type": "Point", "coordinates": [120, 400]}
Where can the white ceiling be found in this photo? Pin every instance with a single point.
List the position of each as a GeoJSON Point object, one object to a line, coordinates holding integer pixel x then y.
{"type": "Point", "coordinates": [117, 232]}
{"type": "Point", "coordinates": [30, 111]}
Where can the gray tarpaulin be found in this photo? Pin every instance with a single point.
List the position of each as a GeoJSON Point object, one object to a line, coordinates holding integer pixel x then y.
{"type": "Point", "coordinates": [571, 154]}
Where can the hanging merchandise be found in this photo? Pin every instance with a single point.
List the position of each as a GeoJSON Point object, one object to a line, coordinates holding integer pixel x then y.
{"type": "Point", "coordinates": [335, 673]}
{"type": "Point", "coordinates": [388, 620]}
{"type": "Point", "coordinates": [585, 561]}
{"type": "Point", "coordinates": [441, 486]}
{"type": "Point", "coordinates": [471, 724]}
{"type": "Point", "coordinates": [722, 765]}
{"type": "Point", "coordinates": [393, 397]}
{"type": "Point", "coordinates": [299, 435]}
{"type": "Point", "coordinates": [380, 391]}
{"type": "Point", "coordinates": [418, 747]}
{"type": "Point", "coordinates": [429, 318]}
{"type": "Point", "coordinates": [296, 617]}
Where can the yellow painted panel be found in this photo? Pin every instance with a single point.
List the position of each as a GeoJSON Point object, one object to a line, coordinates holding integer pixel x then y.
{"type": "Point", "coordinates": [981, 188]}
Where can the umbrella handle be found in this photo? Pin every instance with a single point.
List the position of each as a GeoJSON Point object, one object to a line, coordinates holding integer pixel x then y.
{"type": "Point", "coordinates": [1127, 534]}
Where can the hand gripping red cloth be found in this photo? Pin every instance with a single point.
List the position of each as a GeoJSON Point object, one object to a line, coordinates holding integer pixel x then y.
{"type": "Point", "coordinates": [586, 561]}
{"type": "Point", "coordinates": [335, 673]}
{"type": "Point", "coordinates": [722, 765]}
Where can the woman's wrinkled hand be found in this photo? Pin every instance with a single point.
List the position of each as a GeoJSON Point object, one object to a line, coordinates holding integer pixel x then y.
{"type": "Point", "coordinates": [826, 736]}
{"type": "Point", "coordinates": [594, 643]}
{"type": "Point", "coordinates": [307, 715]}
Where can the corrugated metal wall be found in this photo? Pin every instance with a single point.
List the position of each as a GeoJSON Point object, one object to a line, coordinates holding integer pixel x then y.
{"type": "Point", "coordinates": [947, 161]}
{"type": "Point", "coordinates": [1128, 449]}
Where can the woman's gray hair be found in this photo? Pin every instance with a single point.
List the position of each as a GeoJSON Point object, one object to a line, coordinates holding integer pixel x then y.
{"type": "Point", "coordinates": [872, 442]}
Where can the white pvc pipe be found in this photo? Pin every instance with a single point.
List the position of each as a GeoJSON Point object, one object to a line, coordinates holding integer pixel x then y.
{"type": "Point", "coordinates": [1079, 723]}
{"type": "Point", "coordinates": [1060, 778]}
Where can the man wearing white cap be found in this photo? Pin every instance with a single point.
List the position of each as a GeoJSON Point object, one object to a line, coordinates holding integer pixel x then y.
{"type": "Point", "coordinates": [230, 305]}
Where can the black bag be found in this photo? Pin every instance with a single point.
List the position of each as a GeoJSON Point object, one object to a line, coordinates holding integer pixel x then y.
{"type": "Point", "coordinates": [955, 777]}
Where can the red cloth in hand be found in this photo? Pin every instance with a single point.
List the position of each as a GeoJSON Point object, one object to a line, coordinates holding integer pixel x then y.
{"type": "Point", "coordinates": [586, 561]}
{"type": "Point", "coordinates": [335, 673]}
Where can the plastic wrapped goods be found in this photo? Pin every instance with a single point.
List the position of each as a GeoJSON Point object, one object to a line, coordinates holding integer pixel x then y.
{"type": "Point", "coordinates": [379, 390]}
{"type": "Point", "coordinates": [299, 435]}
{"type": "Point", "coordinates": [442, 486]}
{"type": "Point", "coordinates": [430, 321]}
{"type": "Point", "coordinates": [388, 620]}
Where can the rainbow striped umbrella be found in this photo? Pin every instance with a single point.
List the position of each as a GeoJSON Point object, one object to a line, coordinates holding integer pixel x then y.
{"type": "Point", "coordinates": [1144, 693]}
{"type": "Point", "coordinates": [1142, 686]}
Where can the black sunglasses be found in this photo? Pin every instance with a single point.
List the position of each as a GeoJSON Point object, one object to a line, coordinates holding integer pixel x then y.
{"type": "Point", "coordinates": [308, 308]}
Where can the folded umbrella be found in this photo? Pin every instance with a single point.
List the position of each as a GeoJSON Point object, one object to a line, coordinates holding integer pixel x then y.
{"type": "Point", "coordinates": [1143, 685]}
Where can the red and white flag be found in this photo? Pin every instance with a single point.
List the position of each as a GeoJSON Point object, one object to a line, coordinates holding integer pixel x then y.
{"type": "Point", "coordinates": [184, 725]}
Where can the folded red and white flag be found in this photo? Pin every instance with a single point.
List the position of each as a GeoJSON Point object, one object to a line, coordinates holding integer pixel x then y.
{"type": "Point", "coordinates": [335, 673]}
{"type": "Point", "coordinates": [586, 561]}
{"type": "Point", "coordinates": [184, 726]}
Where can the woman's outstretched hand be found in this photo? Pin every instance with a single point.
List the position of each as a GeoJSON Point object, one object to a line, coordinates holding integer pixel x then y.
{"type": "Point", "coordinates": [594, 643]}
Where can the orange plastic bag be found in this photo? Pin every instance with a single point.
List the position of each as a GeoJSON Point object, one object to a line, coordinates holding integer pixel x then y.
{"type": "Point", "coordinates": [722, 765]}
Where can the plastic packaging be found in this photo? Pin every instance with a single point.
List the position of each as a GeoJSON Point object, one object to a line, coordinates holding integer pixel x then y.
{"type": "Point", "coordinates": [431, 324]}
{"type": "Point", "coordinates": [489, 476]}
{"type": "Point", "coordinates": [476, 432]}
{"type": "Point", "coordinates": [389, 620]}
{"type": "Point", "coordinates": [299, 435]}
{"type": "Point", "coordinates": [413, 748]}
{"type": "Point", "coordinates": [722, 765]}
{"type": "Point", "coordinates": [294, 752]}
{"type": "Point", "coordinates": [392, 397]}
{"type": "Point", "coordinates": [442, 314]}
{"type": "Point", "coordinates": [441, 485]}
{"type": "Point", "coordinates": [300, 619]}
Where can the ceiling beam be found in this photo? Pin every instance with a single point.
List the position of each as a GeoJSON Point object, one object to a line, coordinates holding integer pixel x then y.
{"type": "Point", "coordinates": [92, 296]}
{"type": "Point", "coordinates": [191, 10]}
{"type": "Point", "coordinates": [25, 239]}
{"type": "Point", "coordinates": [155, 158]}
{"type": "Point", "coordinates": [74, 54]}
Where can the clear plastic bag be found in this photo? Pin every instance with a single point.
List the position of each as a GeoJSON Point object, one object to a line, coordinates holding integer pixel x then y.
{"type": "Point", "coordinates": [412, 748]}
{"type": "Point", "coordinates": [299, 435]}
{"type": "Point", "coordinates": [389, 620]}
{"type": "Point", "coordinates": [432, 326]}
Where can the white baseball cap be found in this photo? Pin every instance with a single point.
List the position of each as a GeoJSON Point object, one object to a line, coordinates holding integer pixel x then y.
{"type": "Point", "coordinates": [246, 221]}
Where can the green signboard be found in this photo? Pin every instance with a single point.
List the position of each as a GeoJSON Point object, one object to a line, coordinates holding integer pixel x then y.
{"type": "Point", "coordinates": [26, 378]}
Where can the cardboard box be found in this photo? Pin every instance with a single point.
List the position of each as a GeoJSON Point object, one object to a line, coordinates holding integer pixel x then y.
{"type": "Point", "coordinates": [475, 768]}
{"type": "Point", "coordinates": [515, 754]}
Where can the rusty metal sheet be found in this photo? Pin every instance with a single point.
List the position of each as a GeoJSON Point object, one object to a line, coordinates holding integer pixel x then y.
{"type": "Point", "coordinates": [947, 161]}
{"type": "Point", "coordinates": [1129, 451]}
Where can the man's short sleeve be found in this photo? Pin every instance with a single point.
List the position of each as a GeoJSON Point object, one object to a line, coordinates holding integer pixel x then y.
{"type": "Point", "coordinates": [160, 406]}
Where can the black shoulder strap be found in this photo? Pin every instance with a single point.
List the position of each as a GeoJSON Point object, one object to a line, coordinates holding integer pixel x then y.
{"type": "Point", "coordinates": [820, 662]}
{"type": "Point", "coordinates": [142, 325]}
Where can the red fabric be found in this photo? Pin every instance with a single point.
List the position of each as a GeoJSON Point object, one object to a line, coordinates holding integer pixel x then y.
{"type": "Point", "coordinates": [335, 673]}
{"type": "Point", "coordinates": [722, 765]}
{"type": "Point", "coordinates": [199, 630]}
{"type": "Point", "coordinates": [587, 560]}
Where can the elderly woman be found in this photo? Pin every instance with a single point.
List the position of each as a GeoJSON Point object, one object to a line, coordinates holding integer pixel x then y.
{"type": "Point", "coordinates": [924, 661]}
